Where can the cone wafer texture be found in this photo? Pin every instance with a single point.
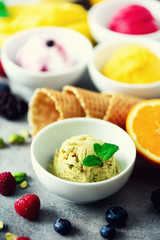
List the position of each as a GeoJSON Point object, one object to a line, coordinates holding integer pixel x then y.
{"type": "Point", "coordinates": [48, 106]}
{"type": "Point", "coordinates": [93, 103]}
{"type": "Point", "coordinates": [119, 106]}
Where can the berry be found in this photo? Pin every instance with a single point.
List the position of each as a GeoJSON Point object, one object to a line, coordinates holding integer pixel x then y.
{"type": "Point", "coordinates": [7, 184]}
{"type": "Point", "coordinates": [116, 216]}
{"type": "Point", "coordinates": [108, 231]}
{"type": "Point", "coordinates": [28, 206]}
{"type": "Point", "coordinates": [23, 238]}
{"type": "Point", "coordinates": [12, 107]}
{"type": "Point", "coordinates": [50, 43]}
{"type": "Point", "coordinates": [4, 87]}
{"type": "Point", "coordinates": [44, 69]}
{"type": "Point", "coordinates": [62, 226]}
{"type": "Point", "coordinates": [155, 198]}
{"type": "Point", "coordinates": [2, 72]}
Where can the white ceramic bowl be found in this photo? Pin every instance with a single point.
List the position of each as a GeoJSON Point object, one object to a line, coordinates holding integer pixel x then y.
{"type": "Point", "coordinates": [102, 54]}
{"type": "Point", "coordinates": [100, 14]}
{"type": "Point", "coordinates": [23, 81]}
{"type": "Point", "coordinates": [51, 137]}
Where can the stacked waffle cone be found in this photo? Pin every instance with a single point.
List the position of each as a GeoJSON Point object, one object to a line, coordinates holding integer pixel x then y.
{"type": "Point", "coordinates": [48, 106]}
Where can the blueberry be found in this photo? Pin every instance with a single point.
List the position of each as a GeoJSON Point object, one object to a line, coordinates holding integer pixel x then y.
{"type": "Point", "coordinates": [116, 216]}
{"type": "Point", "coordinates": [62, 226]}
{"type": "Point", "coordinates": [50, 43]}
{"type": "Point", "coordinates": [108, 231]}
{"type": "Point", "coordinates": [155, 198]}
{"type": "Point", "coordinates": [4, 87]}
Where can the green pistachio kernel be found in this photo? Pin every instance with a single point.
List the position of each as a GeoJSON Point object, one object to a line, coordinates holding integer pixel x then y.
{"type": "Point", "coordinates": [23, 184]}
{"type": "Point", "coordinates": [25, 133]}
{"type": "Point", "coordinates": [11, 236]}
{"type": "Point", "coordinates": [16, 139]}
{"type": "Point", "coordinates": [1, 225]}
{"type": "Point", "coordinates": [1, 143]}
{"type": "Point", "coordinates": [19, 176]}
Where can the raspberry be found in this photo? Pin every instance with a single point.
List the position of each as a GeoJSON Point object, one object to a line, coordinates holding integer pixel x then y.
{"type": "Point", "coordinates": [12, 107]}
{"type": "Point", "coordinates": [2, 72]}
{"type": "Point", "coordinates": [23, 238]}
{"type": "Point", "coordinates": [28, 206]}
{"type": "Point", "coordinates": [7, 184]}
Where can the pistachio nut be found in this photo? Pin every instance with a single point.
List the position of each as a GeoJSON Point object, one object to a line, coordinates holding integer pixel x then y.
{"type": "Point", "coordinates": [1, 143]}
{"type": "Point", "coordinates": [25, 133]}
{"type": "Point", "coordinates": [23, 184]}
{"type": "Point", "coordinates": [11, 236]}
{"type": "Point", "coordinates": [1, 225]}
{"type": "Point", "coordinates": [19, 176]}
{"type": "Point", "coordinates": [16, 139]}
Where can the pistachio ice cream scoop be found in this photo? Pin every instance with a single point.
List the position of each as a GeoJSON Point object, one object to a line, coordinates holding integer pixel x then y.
{"type": "Point", "coordinates": [68, 161]}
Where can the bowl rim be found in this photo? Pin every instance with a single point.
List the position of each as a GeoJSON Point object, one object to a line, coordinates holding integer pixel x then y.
{"type": "Point", "coordinates": [83, 119]}
{"type": "Point", "coordinates": [80, 64]}
{"type": "Point", "coordinates": [99, 6]}
{"type": "Point", "coordinates": [105, 44]}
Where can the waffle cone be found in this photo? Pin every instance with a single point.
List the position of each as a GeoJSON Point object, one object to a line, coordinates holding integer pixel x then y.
{"type": "Point", "coordinates": [119, 106]}
{"type": "Point", "coordinates": [47, 106]}
{"type": "Point", "coordinates": [94, 104]}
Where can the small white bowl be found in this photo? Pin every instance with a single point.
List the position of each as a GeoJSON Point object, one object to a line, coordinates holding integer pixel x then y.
{"type": "Point", "coordinates": [23, 81]}
{"type": "Point", "coordinates": [103, 52]}
{"type": "Point", "coordinates": [100, 15]}
{"type": "Point", "coordinates": [51, 138]}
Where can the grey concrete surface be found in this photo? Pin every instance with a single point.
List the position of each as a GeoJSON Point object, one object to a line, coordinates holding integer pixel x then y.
{"type": "Point", "coordinates": [143, 221]}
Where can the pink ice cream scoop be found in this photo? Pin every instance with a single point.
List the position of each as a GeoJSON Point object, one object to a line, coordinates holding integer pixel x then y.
{"type": "Point", "coordinates": [133, 19]}
{"type": "Point", "coordinates": [43, 54]}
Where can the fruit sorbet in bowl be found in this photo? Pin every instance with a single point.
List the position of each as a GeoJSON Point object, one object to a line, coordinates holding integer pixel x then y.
{"type": "Point", "coordinates": [44, 54]}
{"type": "Point", "coordinates": [133, 19]}
{"type": "Point", "coordinates": [134, 64]}
{"type": "Point", "coordinates": [85, 159]}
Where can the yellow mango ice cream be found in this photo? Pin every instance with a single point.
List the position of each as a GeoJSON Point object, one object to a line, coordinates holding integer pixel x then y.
{"type": "Point", "coordinates": [133, 64]}
{"type": "Point", "coordinates": [45, 13]}
{"type": "Point", "coordinates": [68, 161]}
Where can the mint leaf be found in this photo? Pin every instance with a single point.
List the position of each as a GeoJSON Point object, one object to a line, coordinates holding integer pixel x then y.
{"type": "Point", "coordinates": [104, 149]}
{"type": "Point", "coordinates": [100, 150]}
{"type": "Point", "coordinates": [97, 148]}
{"type": "Point", "coordinates": [3, 10]}
{"type": "Point", "coordinates": [91, 160]}
{"type": "Point", "coordinates": [110, 150]}
{"type": "Point", "coordinates": [104, 152]}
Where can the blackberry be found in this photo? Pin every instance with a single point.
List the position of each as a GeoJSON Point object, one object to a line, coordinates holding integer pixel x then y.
{"type": "Point", "coordinates": [11, 106]}
{"type": "Point", "coordinates": [4, 87]}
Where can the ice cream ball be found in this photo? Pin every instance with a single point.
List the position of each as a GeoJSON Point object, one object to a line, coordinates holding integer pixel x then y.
{"type": "Point", "coordinates": [121, 19]}
{"type": "Point", "coordinates": [133, 19]}
{"type": "Point", "coordinates": [42, 53]}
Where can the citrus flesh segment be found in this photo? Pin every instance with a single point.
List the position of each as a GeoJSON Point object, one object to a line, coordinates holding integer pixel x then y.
{"type": "Point", "coordinates": [143, 125]}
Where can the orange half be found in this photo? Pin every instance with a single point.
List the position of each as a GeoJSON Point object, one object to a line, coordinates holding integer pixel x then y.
{"type": "Point", "coordinates": [143, 125]}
